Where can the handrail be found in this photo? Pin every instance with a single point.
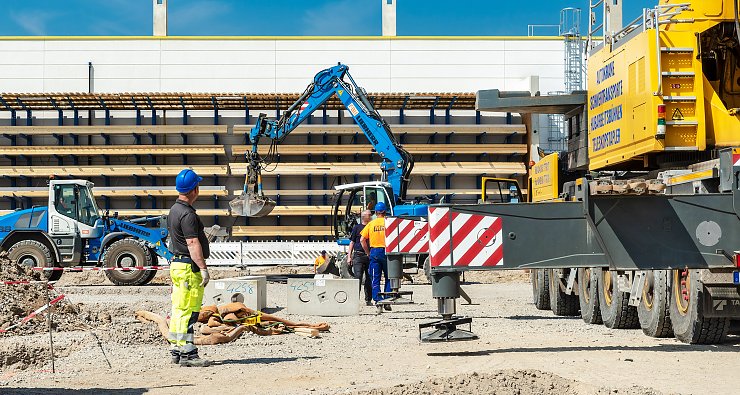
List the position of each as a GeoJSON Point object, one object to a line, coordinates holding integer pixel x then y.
{"type": "Point", "coordinates": [90, 150]}
{"type": "Point", "coordinates": [367, 168]}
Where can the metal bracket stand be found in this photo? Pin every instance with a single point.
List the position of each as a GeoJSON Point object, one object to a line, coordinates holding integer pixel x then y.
{"type": "Point", "coordinates": [638, 284]}
{"type": "Point", "coordinates": [447, 331]}
{"type": "Point", "coordinates": [446, 288]}
{"type": "Point", "coordinates": [571, 281]}
{"type": "Point", "coordinates": [395, 273]}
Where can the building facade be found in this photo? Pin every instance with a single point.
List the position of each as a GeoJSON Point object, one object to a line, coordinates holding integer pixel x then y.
{"type": "Point", "coordinates": [128, 113]}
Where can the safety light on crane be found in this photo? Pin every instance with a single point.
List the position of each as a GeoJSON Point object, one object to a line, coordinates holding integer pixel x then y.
{"type": "Point", "coordinates": [661, 122]}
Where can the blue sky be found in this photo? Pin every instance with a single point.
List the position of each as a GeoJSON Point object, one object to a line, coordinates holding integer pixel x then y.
{"type": "Point", "coordinates": [287, 17]}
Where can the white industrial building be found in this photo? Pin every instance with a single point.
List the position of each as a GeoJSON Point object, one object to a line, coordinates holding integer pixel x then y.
{"type": "Point", "coordinates": [277, 64]}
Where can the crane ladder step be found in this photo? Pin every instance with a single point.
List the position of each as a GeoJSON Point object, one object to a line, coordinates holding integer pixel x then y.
{"type": "Point", "coordinates": [677, 49]}
{"type": "Point", "coordinates": [678, 74]}
{"type": "Point", "coordinates": [682, 123]}
{"type": "Point", "coordinates": [679, 98]}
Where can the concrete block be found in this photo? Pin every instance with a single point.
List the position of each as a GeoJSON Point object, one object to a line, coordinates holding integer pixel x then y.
{"type": "Point", "coordinates": [323, 296]}
{"type": "Point", "coordinates": [250, 290]}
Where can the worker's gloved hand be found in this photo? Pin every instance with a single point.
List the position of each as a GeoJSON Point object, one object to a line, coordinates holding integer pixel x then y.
{"type": "Point", "coordinates": [206, 277]}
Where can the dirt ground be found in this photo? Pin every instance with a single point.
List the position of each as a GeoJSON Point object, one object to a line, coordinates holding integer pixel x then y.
{"type": "Point", "coordinates": [521, 350]}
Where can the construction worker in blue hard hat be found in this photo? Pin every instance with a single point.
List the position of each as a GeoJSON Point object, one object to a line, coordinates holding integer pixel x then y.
{"type": "Point", "coordinates": [372, 239]}
{"type": "Point", "coordinates": [188, 269]}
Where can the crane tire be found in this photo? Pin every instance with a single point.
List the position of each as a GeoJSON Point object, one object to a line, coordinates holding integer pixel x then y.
{"type": "Point", "coordinates": [734, 328]}
{"type": "Point", "coordinates": [687, 316]}
{"type": "Point", "coordinates": [616, 313]}
{"type": "Point", "coordinates": [34, 253]}
{"type": "Point", "coordinates": [561, 304]}
{"type": "Point", "coordinates": [540, 288]}
{"type": "Point", "coordinates": [588, 295]}
{"type": "Point", "coordinates": [654, 308]}
{"type": "Point", "coordinates": [128, 253]}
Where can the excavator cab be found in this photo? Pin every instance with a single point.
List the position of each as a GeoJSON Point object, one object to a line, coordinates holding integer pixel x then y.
{"type": "Point", "coordinates": [351, 200]}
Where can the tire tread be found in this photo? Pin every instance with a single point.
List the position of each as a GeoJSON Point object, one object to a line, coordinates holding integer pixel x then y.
{"type": "Point", "coordinates": [560, 303]}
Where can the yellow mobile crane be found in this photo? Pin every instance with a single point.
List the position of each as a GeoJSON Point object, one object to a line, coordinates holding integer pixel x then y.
{"type": "Point", "coordinates": [638, 223]}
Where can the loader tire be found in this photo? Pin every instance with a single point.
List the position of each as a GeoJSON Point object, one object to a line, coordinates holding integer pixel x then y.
{"type": "Point", "coordinates": [561, 304]}
{"type": "Point", "coordinates": [128, 253]}
{"type": "Point", "coordinates": [654, 308]}
{"type": "Point", "coordinates": [345, 269]}
{"type": "Point", "coordinates": [687, 316]}
{"type": "Point", "coordinates": [616, 313]}
{"type": "Point", "coordinates": [33, 253]}
{"type": "Point", "coordinates": [540, 289]}
{"type": "Point", "coordinates": [588, 295]}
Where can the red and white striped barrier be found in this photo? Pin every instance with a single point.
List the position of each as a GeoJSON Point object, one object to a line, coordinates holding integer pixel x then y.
{"type": "Point", "coordinates": [34, 314]}
{"type": "Point", "coordinates": [406, 236]}
{"type": "Point", "coordinates": [459, 239]}
{"type": "Point", "coordinates": [101, 269]}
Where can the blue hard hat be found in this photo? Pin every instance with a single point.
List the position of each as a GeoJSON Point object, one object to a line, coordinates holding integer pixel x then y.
{"type": "Point", "coordinates": [187, 180]}
{"type": "Point", "coordinates": [380, 206]}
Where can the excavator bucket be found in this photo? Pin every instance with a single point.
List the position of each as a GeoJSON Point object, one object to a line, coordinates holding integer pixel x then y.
{"type": "Point", "coordinates": [251, 205]}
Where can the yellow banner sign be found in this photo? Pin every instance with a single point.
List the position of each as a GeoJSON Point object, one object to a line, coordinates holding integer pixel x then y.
{"type": "Point", "coordinates": [544, 178]}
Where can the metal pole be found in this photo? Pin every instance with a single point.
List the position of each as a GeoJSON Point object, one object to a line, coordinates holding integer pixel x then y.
{"type": "Point", "coordinates": [90, 88]}
{"type": "Point", "coordinates": [48, 322]}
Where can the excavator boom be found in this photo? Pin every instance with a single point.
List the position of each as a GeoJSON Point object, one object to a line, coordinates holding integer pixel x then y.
{"type": "Point", "coordinates": [396, 163]}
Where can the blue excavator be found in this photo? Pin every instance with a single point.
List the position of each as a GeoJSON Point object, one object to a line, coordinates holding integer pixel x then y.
{"type": "Point", "coordinates": [396, 165]}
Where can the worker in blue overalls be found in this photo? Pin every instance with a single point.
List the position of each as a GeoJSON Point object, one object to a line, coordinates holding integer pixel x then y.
{"type": "Point", "coordinates": [372, 239]}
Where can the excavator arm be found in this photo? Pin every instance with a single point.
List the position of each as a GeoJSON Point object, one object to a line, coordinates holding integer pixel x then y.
{"type": "Point", "coordinates": [396, 163]}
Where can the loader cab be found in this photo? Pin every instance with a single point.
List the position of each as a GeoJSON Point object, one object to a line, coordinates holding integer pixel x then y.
{"type": "Point", "coordinates": [73, 217]}
{"type": "Point", "coordinates": [500, 190]}
{"type": "Point", "coordinates": [352, 199]}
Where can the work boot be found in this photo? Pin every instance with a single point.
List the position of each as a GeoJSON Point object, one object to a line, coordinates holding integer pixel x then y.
{"type": "Point", "coordinates": [175, 356]}
{"type": "Point", "coordinates": [387, 307]}
{"type": "Point", "coordinates": [192, 359]}
{"type": "Point", "coordinates": [368, 303]}
{"type": "Point", "coordinates": [379, 309]}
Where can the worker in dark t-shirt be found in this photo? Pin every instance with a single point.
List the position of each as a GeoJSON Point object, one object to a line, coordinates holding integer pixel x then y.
{"type": "Point", "coordinates": [357, 257]}
{"type": "Point", "coordinates": [188, 269]}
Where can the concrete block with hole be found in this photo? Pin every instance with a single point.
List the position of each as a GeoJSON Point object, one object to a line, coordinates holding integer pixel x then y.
{"type": "Point", "coordinates": [250, 290]}
{"type": "Point", "coordinates": [323, 296]}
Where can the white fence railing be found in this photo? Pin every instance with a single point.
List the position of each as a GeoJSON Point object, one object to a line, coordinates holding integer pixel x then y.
{"type": "Point", "coordinates": [269, 253]}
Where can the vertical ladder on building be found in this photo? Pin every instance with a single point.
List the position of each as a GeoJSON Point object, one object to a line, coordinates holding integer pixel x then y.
{"type": "Point", "coordinates": [556, 136]}
{"type": "Point", "coordinates": [570, 30]}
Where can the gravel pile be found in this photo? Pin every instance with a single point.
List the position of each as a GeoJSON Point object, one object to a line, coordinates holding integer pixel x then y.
{"type": "Point", "coordinates": [20, 300]}
{"type": "Point", "coordinates": [515, 382]}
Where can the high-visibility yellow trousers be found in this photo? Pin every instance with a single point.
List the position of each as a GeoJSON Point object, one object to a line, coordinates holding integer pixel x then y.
{"type": "Point", "coordinates": [187, 297]}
